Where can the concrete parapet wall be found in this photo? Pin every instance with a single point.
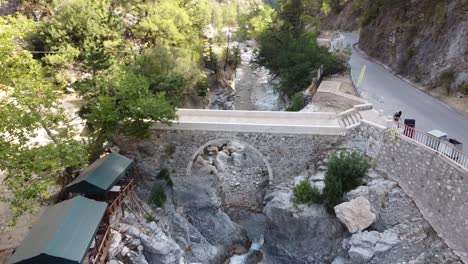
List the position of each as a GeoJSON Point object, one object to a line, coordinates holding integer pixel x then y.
{"type": "Point", "coordinates": [255, 114]}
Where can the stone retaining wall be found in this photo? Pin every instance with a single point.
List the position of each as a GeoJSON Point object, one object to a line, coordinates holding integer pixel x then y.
{"type": "Point", "coordinates": [437, 186]}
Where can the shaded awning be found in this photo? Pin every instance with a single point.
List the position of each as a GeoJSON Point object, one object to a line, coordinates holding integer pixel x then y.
{"type": "Point", "coordinates": [63, 233]}
{"type": "Point", "coordinates": [101, 175]}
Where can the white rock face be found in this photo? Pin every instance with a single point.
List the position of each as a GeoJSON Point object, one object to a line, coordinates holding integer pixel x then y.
{"type": "Point", "coordinates": [365, 245]}
{"type": "Point", "coordinates": [355, 214]}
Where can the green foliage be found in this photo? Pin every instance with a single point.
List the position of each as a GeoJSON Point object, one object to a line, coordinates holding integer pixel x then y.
{"type": "Point", "coordinates": [165, 175]}
{"type": "Point", "coordinates": [297, 102]}
{"type": "Point", "coordinates": [294, 59]}
{"type": "Point", "coordinates": [158, 197]}
{"type": "Point", "coordinates": [171, 71]}
{"type": "Point", "coordinates": [150, 218]}
{"type": "Point", "coordinates": [79, 29]}
{"type": "Point", "coordinates": [440, 12]}
{"type": "Point", "coordinates": [290, 51]}
{"type": "Point", "coordinates": [329, 6]}
{"type": "Point", "coordinates": [29, 107]}
{"type": "Point", "coordinates": [121, 101]}
{"type": "Point", "coordinates": [367, 10]}
{"type": "Point", "coordinates": [166, 24]}
{"type": "Point", "coordinates": [304, 193]}
{"type": "Point", "coordinates": [465, 87]}
{"type": "Point", "coordinates": [345, 171]}
{"type": "Point", "coordinates": [170, 149]}
{"type": "Point", "coordinates": [447, 76]}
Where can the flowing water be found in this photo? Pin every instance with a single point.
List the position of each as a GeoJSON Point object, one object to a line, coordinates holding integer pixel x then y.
{"type": "Point", "coordinates": [255, 226]}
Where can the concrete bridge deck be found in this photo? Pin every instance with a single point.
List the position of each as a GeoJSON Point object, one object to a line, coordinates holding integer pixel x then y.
{"type": "Point", "coordinates": [306, 123]}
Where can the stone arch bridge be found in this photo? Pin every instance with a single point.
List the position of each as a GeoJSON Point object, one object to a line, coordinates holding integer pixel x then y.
{"type": "Point", "coordinates": [287, 141]}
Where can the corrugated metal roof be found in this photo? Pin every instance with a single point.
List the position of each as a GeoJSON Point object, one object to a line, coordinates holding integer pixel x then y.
{"type": "Point", "coordinates": [62, 234]}
{"type": "Point", "coordinates": [101, 175]}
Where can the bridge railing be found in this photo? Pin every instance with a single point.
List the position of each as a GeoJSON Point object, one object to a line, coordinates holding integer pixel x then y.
{"type": "Point", "coordinates": [443, 147]}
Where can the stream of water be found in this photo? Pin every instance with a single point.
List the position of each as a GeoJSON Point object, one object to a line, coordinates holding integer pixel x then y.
{"type": "Point", "coordinates": [255, 226]}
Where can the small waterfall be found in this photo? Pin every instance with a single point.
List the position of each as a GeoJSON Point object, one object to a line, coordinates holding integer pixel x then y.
{"type": "Point", "coordinates": [255, 226]}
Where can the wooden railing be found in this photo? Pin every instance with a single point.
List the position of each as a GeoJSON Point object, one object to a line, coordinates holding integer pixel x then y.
{"type": "Point", "coordinates": [443, 147]}
{"type": "Point", "coordinates": [103, 249]}
{"type": "Point", "coordinates": [122, 195]}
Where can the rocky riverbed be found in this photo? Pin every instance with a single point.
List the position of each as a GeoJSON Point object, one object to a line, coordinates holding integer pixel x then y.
{"type": "Point", "coordinates": [249, 88]}
{"type": "Point", "coordinates": [225, 213]}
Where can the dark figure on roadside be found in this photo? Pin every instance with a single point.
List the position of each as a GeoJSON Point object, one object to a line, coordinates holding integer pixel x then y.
{"type": "Point", "coordinates": [397, 116]}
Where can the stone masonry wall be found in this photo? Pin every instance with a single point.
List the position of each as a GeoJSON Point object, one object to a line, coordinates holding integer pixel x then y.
{"type": "Point", "coordinates": [286, 155]}
{"type": "Point", "coordinates": [438, 187]}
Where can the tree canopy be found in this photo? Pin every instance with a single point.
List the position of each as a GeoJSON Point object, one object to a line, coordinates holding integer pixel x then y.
{"type": "Point", "coordinates": [131, 61]}
{"type": "Point", "coordinates": [288, 47]}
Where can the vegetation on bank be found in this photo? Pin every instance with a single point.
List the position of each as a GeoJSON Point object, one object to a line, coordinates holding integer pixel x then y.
{"type": "Point", "coordinates": [288, 46]}
{"type": "Point", "coordinates": [133, 62]}
{"type": "Point", "coordinates": [345, 172]}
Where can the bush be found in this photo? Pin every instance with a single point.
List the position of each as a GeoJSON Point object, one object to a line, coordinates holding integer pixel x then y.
{"type": "Point", "coordinates": [465, 87]}
{"type": "Point", "coordinates": [158, 197]}
{"type": "Point", "coordinates": [440, 12]}
{"type": "Point", "coordinates": [345, 171]}
{"type": "Point", "coordinates": [165, 175]}
{"type": "Point", "coordinates": [306, 194]}
{"type": "Point", "coordinates": [170, 149]}
{"type": "Point", "coordinates": [297, 102]}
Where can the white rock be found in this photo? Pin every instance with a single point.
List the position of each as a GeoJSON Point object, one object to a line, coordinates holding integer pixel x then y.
{"type": "Point", "coordinates": [355, 214]}
{"type": "Point", "coordinates": [364, 239]}
{"type": "Point", "coordinates": [116, 246]}
{"type": "Point", "coordinates": [388, 239]}
{"type": "Point", "coordinates": [339, 260]}
{"type": "Point", "coordinates": [299, 179]}
{"type": "Point", "coordinates": [140, 248]}
{"type": "Point", "coordinates": [124, 251]}
{"type": "Point", "coordinates": [360, 255]}
{"type": "Point", "coordinates": [237, 159]}
{"type": "Point", "coordinates": [318, 176]}
{"type": "Point", "coordinates": [319, 185]}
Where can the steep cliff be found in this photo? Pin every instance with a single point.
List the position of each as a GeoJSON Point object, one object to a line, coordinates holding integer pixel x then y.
{"type": "Point", "coordinates": [343, 20]}
{"type": "Point", "coordinates": [426, 40]}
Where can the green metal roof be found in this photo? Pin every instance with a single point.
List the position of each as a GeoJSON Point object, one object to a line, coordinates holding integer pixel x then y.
{"type": "Point", "coordinates": [101, 175]}
{"type": "Point", "coordinates": [63, 234]}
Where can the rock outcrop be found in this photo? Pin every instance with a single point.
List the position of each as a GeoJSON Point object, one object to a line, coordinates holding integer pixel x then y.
{"type": "Point", "coordinates": [423, 40]}
{"type": "Point", "coordinates": [399, 233]}
{"type": "Point", "coordinates": [300, 234]}
{"type": "Point", "coordinates": [355, 214]}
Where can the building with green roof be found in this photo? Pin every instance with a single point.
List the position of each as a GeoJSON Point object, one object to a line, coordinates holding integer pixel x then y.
{"type": "Point", "coordinates": [63, 233]}
{"type": "Point", "coordinates": [101, 175]}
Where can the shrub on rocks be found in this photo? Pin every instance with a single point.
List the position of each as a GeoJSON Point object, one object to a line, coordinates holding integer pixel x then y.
{"type": "Point", "coordinates": [165, 175]}
{"type": "Point", "coordinates": [345, 171]}
{"type": "Point", "coordinates": [158, 197]}
{"type": "Point", "coordinates": [306, 194]}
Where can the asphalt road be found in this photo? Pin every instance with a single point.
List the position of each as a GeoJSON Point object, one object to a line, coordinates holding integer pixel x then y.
{"type": "Point", "coordinates": [391, 94]}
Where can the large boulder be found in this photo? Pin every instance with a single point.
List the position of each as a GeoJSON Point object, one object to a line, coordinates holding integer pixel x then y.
{"type": "Point", "coordinates": [136, 258]}
{"type": "Point", "coordinates": [364, 246]}
{"type": "Point", "coordinates": [355, 214]}
{"type": "Point", "coordinates": [199, 199]}
{"type": "Point", "coordinates": [158, 248]}
{"type": "Point", "coordinates": [375, 192]}
{"type": "Point", "coordinates": [300, 234]}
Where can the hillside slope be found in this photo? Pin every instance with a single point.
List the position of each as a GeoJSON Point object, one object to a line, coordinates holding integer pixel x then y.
{"type": "Point", "coordinates": [424, 40]}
